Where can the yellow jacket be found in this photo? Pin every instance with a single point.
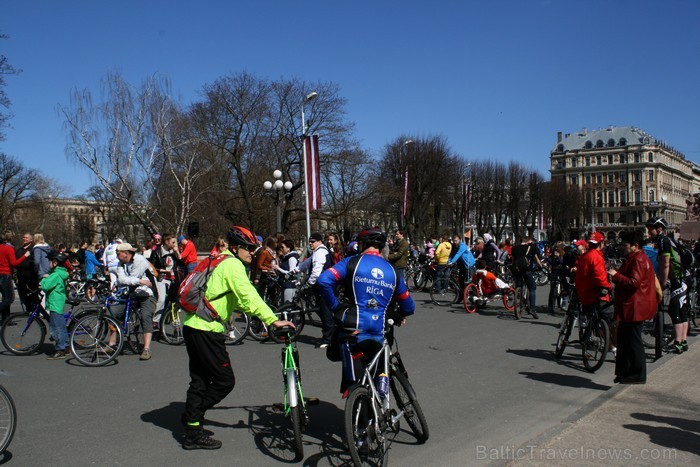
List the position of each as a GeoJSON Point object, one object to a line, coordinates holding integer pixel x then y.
{"type": "Point", "coordinates": [442, 254]}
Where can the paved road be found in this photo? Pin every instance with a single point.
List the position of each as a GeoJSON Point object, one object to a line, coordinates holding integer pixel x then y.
{"type": "Point", "coordinates": [485, 381]}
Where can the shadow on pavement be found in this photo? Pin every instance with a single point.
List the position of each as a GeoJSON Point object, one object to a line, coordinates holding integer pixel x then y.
{"type": "Point", "coordinates": [675, 438]}
{"type": "Point", "coordinates": [565, 380]}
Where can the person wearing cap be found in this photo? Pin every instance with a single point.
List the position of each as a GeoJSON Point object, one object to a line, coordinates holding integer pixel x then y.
{"type": "Point", "coordinates": [54, 286]}
{"type": "Point", "coordinates": [591, 277]}
{"type": "Point", "coordinates": [134, 271]}
{"type": "Point", "coordinates": [321, 259]}
{"type": "Point", "coordinates": [188, 252]}
{"type": "Point", "coordinates": [8, 261]}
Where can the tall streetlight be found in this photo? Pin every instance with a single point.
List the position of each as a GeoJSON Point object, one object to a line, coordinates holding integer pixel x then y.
{"type": "Point", "coordinates": [465, 200]}
{"type": "Point", "coordinates": [276, 190]}
{"type": "Point", "coordinates": [309, 97]}
{"type": "Point", "coordinates": [404, 165]}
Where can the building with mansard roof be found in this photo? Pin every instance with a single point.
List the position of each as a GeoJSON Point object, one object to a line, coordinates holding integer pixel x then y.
{"type": "Point", "coordinates": [625, 176]}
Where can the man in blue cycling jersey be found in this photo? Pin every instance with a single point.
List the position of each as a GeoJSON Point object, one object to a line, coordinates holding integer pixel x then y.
{"type": "Point", "coordinates": [370, 283]}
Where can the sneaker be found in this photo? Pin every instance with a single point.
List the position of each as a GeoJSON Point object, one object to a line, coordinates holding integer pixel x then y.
{"type": "Point", "coordinates": [684, 344]}
{"type": "Point", "coordinates": [146, 355]}
{"type": "Point", "coordinates": [59, 355]}
{"type": "Point", "coordinates": [201, 441]}
{"type": "Point", "coordinates": [614, 351]}
{"type": "Point", "coordinates": [322, 344]}
{"type": "Point", "coordinates": [533, 313]}
{"type": "Point", "coordinates": [677, 348]}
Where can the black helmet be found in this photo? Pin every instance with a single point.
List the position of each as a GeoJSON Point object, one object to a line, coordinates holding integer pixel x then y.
{"type": "Point", "coordinates": [371, 236]}
{"type": "Point", "coordinates": [58, 256]}
{"type": "Point", "coordinates": [241, 236]}
{"type": "Point", "coordinates": [656, 222]}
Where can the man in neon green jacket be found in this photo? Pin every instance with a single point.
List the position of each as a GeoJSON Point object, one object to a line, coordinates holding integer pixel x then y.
{"type": "Point", "coordinates": [212, 379]}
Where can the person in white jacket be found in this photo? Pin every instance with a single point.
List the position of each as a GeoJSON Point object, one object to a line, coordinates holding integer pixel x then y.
{"type": "Point", "coordinates": [321, 259]}
{"type": "Point", "coordinates": [111, 261]}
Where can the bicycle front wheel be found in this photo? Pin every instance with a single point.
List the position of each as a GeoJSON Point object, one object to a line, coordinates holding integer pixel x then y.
{"type": "Point", "coordinates": [237, 327]}
{"type": "Point", "coordinates": [408, 402]}
{"type": "Point", "coordinates": [293, 313]}
{"type": "Point", "coordinates": [471, 298]}
{"type": "Point", "coordinates": [8, 419]}
{"type": "Point", "coordinates": [134, 333]}
{"type": "Point", "coordinates": [447, 296]}
{"type": "Point", "coordinates": [509, 299]}
{"type": "Point", "coordinates": [567, 326]}
{"type": "Point", "coordinates": [519, 303]}
{"type": "Point", "coordinates": [366, 444]}
{"type": "Point", "coordinates": [89, 341]}
{"type": "Point", "coordinates": [23, 334]}
{"type": "Point", "coordinates": [594, 345]}
{"type": "Point", "coordinates": [171, 326]}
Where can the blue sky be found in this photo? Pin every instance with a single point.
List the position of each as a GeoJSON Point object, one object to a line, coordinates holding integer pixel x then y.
{"type": "Point", "coordinates": [497, 78]}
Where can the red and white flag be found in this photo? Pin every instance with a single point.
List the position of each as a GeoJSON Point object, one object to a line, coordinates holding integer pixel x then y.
{"type": "Point", "coordinates": [405, 194]}
{"type": "Point", "coordinates": [313, 173]}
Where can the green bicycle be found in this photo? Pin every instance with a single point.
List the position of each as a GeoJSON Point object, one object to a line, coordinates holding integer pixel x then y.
{"type": "Point", "coordinates": [294, 402]}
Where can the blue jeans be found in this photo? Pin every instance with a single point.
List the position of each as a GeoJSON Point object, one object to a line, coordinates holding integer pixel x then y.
{"type": "Point", "coordinates": [8, 295]}
{"type": "Point", "coordinates": [442, 277]}
{"type": "Point", "coordinates": [529, 281]}
{"type": "Point", "coordinates": [59, 331]}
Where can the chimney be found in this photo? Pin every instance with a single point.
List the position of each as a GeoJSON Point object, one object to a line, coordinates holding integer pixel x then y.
{"type": "Point", "coordinates": [558, 136]}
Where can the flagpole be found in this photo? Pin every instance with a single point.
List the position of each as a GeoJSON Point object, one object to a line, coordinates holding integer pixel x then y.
{"type": "Point", "coordinates": [309, 97]}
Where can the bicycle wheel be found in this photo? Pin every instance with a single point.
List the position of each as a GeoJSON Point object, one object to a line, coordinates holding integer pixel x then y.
{"type": "Point", "coordinates": [519, 303]}
{"type": "Point", "coordinates": [171, 325]}
{"type": "Point", "coordinates": [367, 446]}
{"type": "Point", "coordinates": [134, 335]}
{"type": "Point", "coordinates": [509, 299]}
{"type": "Point", "coordinates": [471, 298]}
{"type": "Point", "coordinates": [649, 331]}
{"type": "Point", "coordinates": [237, 327]}
{"type": "Point", "coordinates": [594, 345]}
{"type": "Point", "coordinates": [23, 334]}
{"type": "Point", "coordinates": [257, 329]}
{"type": "Point", "coordinates": [446, 296]}
{"type": "Point", "coordinates": [414, 279]}
{"type": "Point", "coordinates": [408, 402]}
{"type": "Point", "coordinates": [89, 341]}
{"type": "Point", "coordinates": [293, 313]}
{"type": "Point", "coordinates": [8, 419]}
{"type": "Point", "coordinates": [565, 329]}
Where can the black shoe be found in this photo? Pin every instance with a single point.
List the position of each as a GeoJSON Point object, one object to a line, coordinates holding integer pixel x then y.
{"type": "Point", "coordinates": [677, 348]}
{"type": "Point", "coordinates": [684, 344]}
{"type": "Point", "coordinates": [200, 441]}
{"type": "Point", "coordinates": [632, 381]}
{"type": "Point", "coordinates": [533, 313]}
{"type": "Point", "coordinates": [617, 379]}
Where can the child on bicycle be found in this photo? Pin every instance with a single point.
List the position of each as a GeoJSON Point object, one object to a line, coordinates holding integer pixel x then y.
{"type": "Point", "coordinates": [54, 286]}
{"type": "Point", "coordinates": [490, 284]}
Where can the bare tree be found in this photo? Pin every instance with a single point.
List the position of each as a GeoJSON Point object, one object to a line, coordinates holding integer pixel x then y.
{"type": "Point", "coordinates": [5, 69]}
{"type": "Point", "coordinates": [17, 183]}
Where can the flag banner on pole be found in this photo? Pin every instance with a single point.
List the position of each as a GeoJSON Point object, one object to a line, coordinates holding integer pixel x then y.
{"type": "Point", "coordinates": [405, 194]}
{"type": "Point", "coordinates": [542, 224]}
{"type": "Point", "coordinates": [313, 173]}
{"type": "Point", "coordinates": [465, 211]}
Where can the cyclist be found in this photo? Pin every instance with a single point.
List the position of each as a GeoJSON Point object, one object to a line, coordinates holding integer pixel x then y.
{"type": "Point", "coordinates": [524, 255]}
{"type": "Point", "coordinates": [671, 275]}
{"type": "Point", "coordinates": [464, 259]}
{"type": "Point", "coordinates": [490, 284]}
{"type": "Point", "coordinates": [441, 258]}
{"type": "Point", "coordinates": [212, 378]}
{"type": "Point", "coordinates": [370, 283]}
{"type": "Point", "coordinates": [591, 277]}
{"type": "Point", "coordinates": [54, 285]}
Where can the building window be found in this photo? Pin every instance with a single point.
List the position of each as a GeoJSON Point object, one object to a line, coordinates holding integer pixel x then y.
{"type": "Point", "coordinates": [611, 217]}
{"type": "Point", "coordinates": [622, 177]}
{"type": "Point", "coordinates": [651, 157]}
{"type": "Point", "coordinates": [588, 145]}
{"type": "Point", "coordinates": [651, 175]}
{"type": "Point", "coordinates": [599, 160]}
{"type": "Point", "coordinates": [599, 143]}
{"type": "Point", "coordinates": [611, 198]}
{"type": "Point", "coordinates": [637, 175]}
{"type": "Point", "coordinates": [573, 162]}
{"type": "Point", "coordinates": [560, 148]}
{"type": "Point", "coordinates": [574, 179]}
{"type": "Point", "coordinates": [588, 161]}
{"type": "Point", "coordinates": [611, 142]}
{"type": "Point", "coordinates": [623, 142]}
{"type": "Point", "coordinates": [611, 158]}
{"type": "Point", "coordinates": [637, 157]}
{"type": "Point", "coordinates": [588, 179]}
{"type": "Point", "coordinates": [588, 199]}
{"type": "Point", "coordinates": [623, 158]}
{"type": "Point", "coordinates": [600, 217]}
{"type": "Point", "coordinates": [611, 177]}
{"type": "Point", "coordinates": [599, 177]}
{"type": "Point", "coordinates": [637, 196]}
{"type": "Point", "coordinates": [623, 217]}
{"type": "Point", "coordinates": [652, 198]}
{"type": "Point", "coordinates": [623, 198]}
{"type": "Point", "coordinates": [561, 163]}
{"type": "Point", "coordinates": [599, 199]}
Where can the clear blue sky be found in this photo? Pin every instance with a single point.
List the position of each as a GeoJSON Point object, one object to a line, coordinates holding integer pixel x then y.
{"type": "Point", "coordinates": [497, 78]}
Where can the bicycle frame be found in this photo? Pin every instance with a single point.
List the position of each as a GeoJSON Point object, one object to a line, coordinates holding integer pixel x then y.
{"type": "Point", "coordinates": [292, 378]}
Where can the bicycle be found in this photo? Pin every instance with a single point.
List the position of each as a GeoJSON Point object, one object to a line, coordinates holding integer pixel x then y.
{"type": "Point", "coordinates": [650, 327]}
{"type": "Point", "coordinates": [24, 333]}
{"type": "Point", "coordinates": [8, 419]}
{"type": "Point", "coordinates": [294, 402]}
{"type": "Point", "coordinates": [521, 303]}
{"type": "Point", "coordinates": [237, 327]}
{"type": "Point", "coordinates": [449, 295]}
{"type": "Point", "coordinates": [594, 333]}
{"type": "Point", "coordinates": [474, 297]}
{"type": "Point", "coordinates": [170, 324]}
{"type": "Point", "coordinates": [369, 417]}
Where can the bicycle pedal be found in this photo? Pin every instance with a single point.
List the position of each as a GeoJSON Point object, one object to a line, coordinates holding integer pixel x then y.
{"type": "Point", "coordinates": [278, 407]}
{"type": "Point", "coordinates": [312, 400]}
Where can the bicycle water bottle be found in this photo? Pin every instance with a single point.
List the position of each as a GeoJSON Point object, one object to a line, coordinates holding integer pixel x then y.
{"type": "Point", "coordinates": [383, 384]}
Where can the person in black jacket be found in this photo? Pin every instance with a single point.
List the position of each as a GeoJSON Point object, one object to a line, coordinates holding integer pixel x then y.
{"type": "Point", "coordinates": [26, 275]}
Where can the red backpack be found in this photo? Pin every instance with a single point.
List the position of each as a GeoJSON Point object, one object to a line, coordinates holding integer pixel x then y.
{"type": "Point", "coordinates": [190, 296]}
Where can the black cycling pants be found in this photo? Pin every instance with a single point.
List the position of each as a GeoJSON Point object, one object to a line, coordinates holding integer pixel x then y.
{"type": "Point", "coordinates": [678, 294]}
{"type": "Point", "coordinates": [211, 375]}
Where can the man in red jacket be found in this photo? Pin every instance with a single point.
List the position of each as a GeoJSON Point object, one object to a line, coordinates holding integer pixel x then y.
{"type": "Point", "coordinates": [591, 276]}
{"type": "Point", "coordinates": [8, 261]}
{"type": "Point", "coordinates": [188, 253]}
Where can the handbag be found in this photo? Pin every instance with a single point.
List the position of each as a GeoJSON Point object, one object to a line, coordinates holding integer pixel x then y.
{"type": "Point", "coordinates": [659, 290]}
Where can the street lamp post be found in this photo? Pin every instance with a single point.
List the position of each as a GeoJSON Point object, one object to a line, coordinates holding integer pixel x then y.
{"type": "Point", "coordinates": [276, 190]}
{"type": "Point", "coordinates": [309, 97]}
{"type": "Point", "coordinates": [465, 200]}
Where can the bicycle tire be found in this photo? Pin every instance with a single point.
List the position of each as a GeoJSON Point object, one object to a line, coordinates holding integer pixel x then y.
{"type": "Point", "coordinates": [407, 401]}
{"type": "Point", "coordinates": [595, 344]}
{"type": "Point", "coordinates": [8, 419]}
{"type": "Point", "coordinates": [366, 446]}
{"type": "Point", "coordinates": [509, 299]}
{"type": "Point", "coordinates": [171, 326]}
{"type": "Point", "coordinates": [293, 313]}
{"type": "Point", "coordinates": [541, 277]}
{"type": "Point", "coordinates": [446, 297]}
{"type": "Point", "coordinates": [649, 331]}
{"type": "Point", "coordinates": [134, 336]}
{"type": "Point", "coordinates": [257, 329]}
{"type": "Point", "coordinates": [237, 327]}
{"type": "Point", "coordinates": [564, 334]}
{"type": "Point", "coordinates": [519, 303]}
{"type": "Point", "coordinates": [89, 340]}
{"type": "Point", "coordinates": [21, 337]}
{"type": "Point", "coordinates": [471, 296]}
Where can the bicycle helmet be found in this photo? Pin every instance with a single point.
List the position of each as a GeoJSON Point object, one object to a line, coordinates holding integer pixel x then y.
{"type": "Point", "coordinates": [58, 256]}
{"type": "Point", "coordinates": [371, 236]}
{"type": "Point", "coordinates": [656, 222]}
{"type": "Point", "coordinates": [240, 236]}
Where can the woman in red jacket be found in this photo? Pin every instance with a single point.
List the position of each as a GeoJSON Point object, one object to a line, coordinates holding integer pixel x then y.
{"type": "Point", "coordinates": [635, 302]}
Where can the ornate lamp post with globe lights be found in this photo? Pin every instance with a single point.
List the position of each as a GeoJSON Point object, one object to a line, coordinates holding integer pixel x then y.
{"type": "Point", "coordinates": [276, 190]}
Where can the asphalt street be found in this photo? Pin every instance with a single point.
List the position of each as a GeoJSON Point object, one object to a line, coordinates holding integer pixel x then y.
{"type": "Point", "coordinates": [485, 381]}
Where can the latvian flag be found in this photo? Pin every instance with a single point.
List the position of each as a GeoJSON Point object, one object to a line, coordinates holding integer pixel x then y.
{"type": "Point", "coordinates": [405, 194]}
{"type": "Point", "coordinates": [313, 173]}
